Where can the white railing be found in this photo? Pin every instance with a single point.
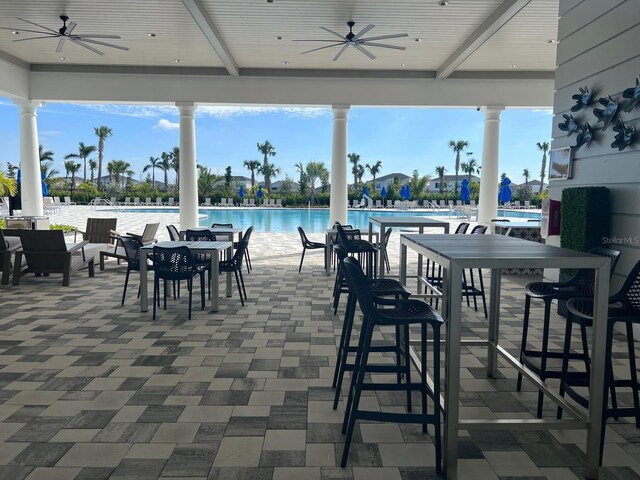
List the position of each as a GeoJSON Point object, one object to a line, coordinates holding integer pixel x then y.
{"type": "Point", "coordinates": [102, 202]}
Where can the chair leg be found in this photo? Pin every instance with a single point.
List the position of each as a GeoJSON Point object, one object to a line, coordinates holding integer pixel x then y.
{"type": "Point", "coordinates": [473, 290]}
{"type": "Point", "coordinates": [156, 287]}
{"type": "Point", "coordinates": [244, 290]}
{"type": "Point", "coordinates": [634, 373]}
{"type": "Point", "coordinates": [543, 357]}
{"type": "Point", "coordinates": [239, 287]}
{"type": "Point", "coordinates": [190, 287]}
{"type": "Point", "coordinates": [465, 290]}
{"type": "Point", "coordinates": [407, 366]}
{"type": "Point", "coordinates": [437, 440]}
{"type": "Point", "coordinates": [248, 258]}
{"type": "Point", "coordinates": [202, 290]}
{"type": "Point", "coordinates": [302, 259]}
{"type": "Point", "coordinates": [565, 359]}
{"type": "Point", "coordinates": [343, 349]}
{"type": "Point", "coordinates": [484, 299]}
{"type": "Point", "coordinates": [126, 281]}
{"type": "Point", "coordinates": [423, 375]}
{"type": "Point", "coordinates": [164, 296]}
{"type": "Point", "coordinates": [523, 342]}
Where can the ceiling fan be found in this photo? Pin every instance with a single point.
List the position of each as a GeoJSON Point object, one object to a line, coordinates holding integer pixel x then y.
{"type": "Point", "coordinates": [66, 33]}
{"type": "Point", "coordinates": [356, 40]}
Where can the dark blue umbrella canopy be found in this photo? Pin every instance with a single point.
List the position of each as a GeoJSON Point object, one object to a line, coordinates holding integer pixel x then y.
{"type": "Point", "coordinates": [383, 192]}
{"type": "Point", "coordinates": [505, 192]}
{"type": "Point", "coordinates": [465, 193]}
{"type": "Point", "coordinates": [241, 192]}
{"type": "Point", "coordinates": [260, 192]}
{"type": "Point", "coordinates": [45, 189]}
{"type": "Point", "coordinates": [365, 190]}
{"type": "Point", "coordinates": [405, 192]}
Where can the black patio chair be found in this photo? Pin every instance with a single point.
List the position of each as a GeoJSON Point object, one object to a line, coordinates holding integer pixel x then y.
{"type": "Point", "coordinates": [309, 245]}
{"type": "Point", "coordinates": [174, 264]}
{"type": "Point", "coordinates": [235, 265]}
{"type": "Point", "coordinates": [580, 285]}
{"type": "Point", "coordinates": [203, 260]}
{"type": "Point", "coordinates": [235, 244]}
{"type": "Point", "coordinates": [174, 234]}
{"type": "Point", "coordinates": [399, 314]}
{"type": "Point", "coordinates": [131, 247]}
{"type": "Point", "coordinates": [385, 242]}
{"type": "Point", "coordinates": [624, 308]}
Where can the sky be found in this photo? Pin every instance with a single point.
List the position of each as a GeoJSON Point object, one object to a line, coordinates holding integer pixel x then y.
{"type": "Point", "coordinates": [404, 139]}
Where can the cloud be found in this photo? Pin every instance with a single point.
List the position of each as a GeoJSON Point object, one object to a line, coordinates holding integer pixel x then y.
{"type": "Point", "coordinates": [544, 111]}
{"type": "Point", "coordinates": [217, 111]}
{"type": "Point", "coordinates": [165, 124]}
{"type": "Point", "coordinates": [50, 133]}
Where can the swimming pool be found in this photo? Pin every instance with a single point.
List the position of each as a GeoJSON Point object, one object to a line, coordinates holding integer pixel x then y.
{"type": "Point", "coordinates": [286, 220]}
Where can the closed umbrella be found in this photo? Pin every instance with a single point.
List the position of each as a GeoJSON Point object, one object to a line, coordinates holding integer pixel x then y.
{"type": "Point", "coordinates": [241, 192]}
{"type": "Point", "coordinates": [404, 192]}
{"type": "Point", "coordinates": [383, 194]}
{"type": "Point", "coordinates": [465, 193]}
{"type": "Point", "coordinates": [45, 189]}
{"type": "Point", "coordinates": [505, 192]}
{"type": "Point", "coordinates": [365, 191]}
{"type": "Point", "coordinates": [260, 192]}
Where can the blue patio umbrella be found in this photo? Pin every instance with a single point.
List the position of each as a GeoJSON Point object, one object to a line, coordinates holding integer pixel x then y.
{"type": "Point", "coordinates": [260, 192]}
{"type": "Point", "coordinates": [505, 192]}
{"type": "Point", "coordinates": [465, 193]}
{"type": "Point", "coordinates": [45, 189]}
{"type": "Point", "coordinates": [404, 192]}
{"type": "Point", "coordinates": [365, 191]}
{"type": "Point", "coordinates": [241, 192]}
{"type": "Point", "coordinates": [383, 192]}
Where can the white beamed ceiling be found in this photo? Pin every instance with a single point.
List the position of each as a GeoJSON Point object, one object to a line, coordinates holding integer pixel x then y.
{"type": "Point", "coordinates": [249, 29]}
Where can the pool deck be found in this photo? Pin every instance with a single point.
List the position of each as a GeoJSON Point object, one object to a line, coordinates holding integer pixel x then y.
{"type": "Point", "coordinates": [90, 389]}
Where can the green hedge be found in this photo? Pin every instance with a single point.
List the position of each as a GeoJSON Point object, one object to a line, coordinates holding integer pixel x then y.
{"type": "Point", "coordinates": [585, 217]}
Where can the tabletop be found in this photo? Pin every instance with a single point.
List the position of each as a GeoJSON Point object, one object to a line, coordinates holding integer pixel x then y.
{"type": "Point", "coordinates": [190, 245]}
{"type": "Point", "coordinates": [214, 230]}
{"type": "Point", "coordinates": [535, 225]}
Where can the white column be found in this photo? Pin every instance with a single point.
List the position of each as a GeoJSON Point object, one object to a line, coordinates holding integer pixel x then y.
{"type": "Point", "coordinates": [339, 182]}
{"type": "Point", "coordinates": [488, 203]}
{"type": "Point", "coordinates": [30, 183]}
{"type": "Point", "coordinates": [188, 170]}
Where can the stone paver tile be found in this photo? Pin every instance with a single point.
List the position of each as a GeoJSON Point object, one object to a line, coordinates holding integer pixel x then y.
{"type": "Point", "coordinates": [239, 452]}
{"type": "Point", "coordinates": [512, 464]}
{"type": "Point", "coordinates": [285, 440]}
{"type": "Point", "coordinates": [94, 455]}
{"type": "Point", "coordinates": [175, 433]}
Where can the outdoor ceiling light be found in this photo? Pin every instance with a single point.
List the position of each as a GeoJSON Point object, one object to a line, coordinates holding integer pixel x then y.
{"type": "Point", "coordinates": [284, 62]}
{"type": "Point", "coordinates": [177, 60]}
{"type": "Point", "coordinates": [442, 3]}
{"type": "Point", "coordinates": [151, 35]}
{"type": "Point", "coordinates": [15, 32]}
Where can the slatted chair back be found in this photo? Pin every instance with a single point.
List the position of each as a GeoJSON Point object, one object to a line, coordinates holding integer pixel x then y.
{"type": "Point", "coordinates": [196, 235]}
{"type": "Point", "coordinates": [357, 282]}
{"type": "Point", "coordinates": [43, 249]}
{"type": "Point", "coordinates": [584, 279]}
{"type": "Point", "coordinates": [149, 233]}
{"type": "Point", "coordinates": [174, 235]}
{"type": "Point", "coordinates": [132, 251]}
{"type": "Point", "coordinates": [462, 228]}
{"type": "Point", "coordinates": [222, 225]}
{"type": "Point", "coordinates": [173, 263]}
{"type": "Point", "coordinates": [478, 230]}
{"type": "Point", "coordinates": [99, 230]}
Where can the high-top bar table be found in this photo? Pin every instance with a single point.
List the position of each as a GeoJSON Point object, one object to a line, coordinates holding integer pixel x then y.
{"type": "Point", "coordinates": [497, 252]}
{"type": "Point", "coordinates": [408, 221]}
{"type": "Point", "coordinates": [211, 248]}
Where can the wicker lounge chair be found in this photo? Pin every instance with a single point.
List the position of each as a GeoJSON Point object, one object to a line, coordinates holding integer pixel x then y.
{"type": "Point", "coordinates": [47, 252]}
{"type": "Point", "coordinates": [148, 236]}
{"type": "Point", "coordinates": [98, 230]}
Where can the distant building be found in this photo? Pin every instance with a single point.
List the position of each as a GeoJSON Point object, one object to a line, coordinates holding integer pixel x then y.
{"type": "Point", "coordinates": [449, 182]}
{"type": "Point", "coordinates": [386, 180]}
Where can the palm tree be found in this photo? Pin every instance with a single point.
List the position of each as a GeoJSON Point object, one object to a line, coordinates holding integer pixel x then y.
{"type": "Point", "coordinates": [269, 170]}
{"type": "Point", "coordinates": [92, 168]}
{"type": "Point", "coordinates": [175, 162]}
{"type": "Point", "coordinates": [83, 152]}
{"type": "Point", "coordinates": [360, 173]}
{"type": "Point", "coordinates": [252, 166]}
{"type": "Point", "coordinates": [267, 150]}
{"type": "Point", "coordinates": [471, 166]}
{"type": "Point", "coordinates": [207, 181]}
{"type": "Point", "coordinates": [118, 169]}
{"type": "Point", "coordinates": [8, 186]}
{"type": "Point", "coordinates": [154, 162]}
{"type": "Point", "coordinates": [418, 184]}
{"type": "Point", "coordinates": [71, 168]}
{"type": "Point", "coordinates": [440, 171]}
{"type": "Point", "coordinates": [45, 155]}
{"type": "Point", "coordinates": [354, 158]}
{"type": "Point", "coordinates": [165, 166]}
{"type": "Point", "coordinates": [526, 175]}
{"type": "Point", "coordinates": [102, 133]}
{"type": "Point", "coordinates": [47, 172]}
{"type": "Point", "coordinates": [457, 147]}
{"type": "Point", "coordinates": [374, 170]}
{"type": "Point", "coordinates": [315, 172]}
{"type": "Point", "coordinates": [544, 146]}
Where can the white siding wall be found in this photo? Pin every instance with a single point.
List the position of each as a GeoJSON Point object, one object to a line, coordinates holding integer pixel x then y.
{"type": "Point", "coordinates": [600, 48]}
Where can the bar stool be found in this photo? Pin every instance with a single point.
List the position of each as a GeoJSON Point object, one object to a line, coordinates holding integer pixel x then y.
{"type": "Point", "coordinates": [385, 287]}
{"type": "Point", "coordinates": [580, 285]}
{"type": "Point", "coordinates": [624, 308]}
{"type": "Point", "coordinates": [435, 279]}
{"type": "Point", "coordinates": [399, 313]}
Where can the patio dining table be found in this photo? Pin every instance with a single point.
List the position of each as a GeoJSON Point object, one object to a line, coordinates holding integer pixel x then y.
{"type": "Point", "coordinates": [497, 252]}
{"type": "Point", "coordinates": [407, 221]}
{"type": "Point", "coordinates": [211, 248]}
{"type": "Point", "coordinates": [227, 232]}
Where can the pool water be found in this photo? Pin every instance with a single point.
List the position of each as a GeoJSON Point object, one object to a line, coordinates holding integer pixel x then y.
{"type": "Point", "coordinates": [287, 220]}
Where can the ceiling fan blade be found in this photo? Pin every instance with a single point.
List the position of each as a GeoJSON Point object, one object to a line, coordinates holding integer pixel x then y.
{"type": "Point", "coordinates": [70, 27]}
{"type": "Point", "coordinates": [383, 37]}
{"type": "Point", "coordinates": [29, 31]}
{"type": "Point", "coordinates": [38, 25]}
{"type": "Point", "coordinates": [341, 51]}
{"type": "Point", "coordinates": [90, 35]}
{"type": "Point", "coordinates": [88, 47]}
{"type": "Point", "coordinates": [111, 45]}
{"type": "Point", "coordinates": [320, 48]}
{"type": "Point", "coordinates": [32, 38]}
{"type": "Point", "coordinates": [382, 45]}
{"type": "Point", "coordinates": [363, 50]}
{"type": "Point", "coordinates": [334, 33]}
{"type": "Point", "coordinates": [60, 45]}
{"type": "Point", "coordinates": [317, 40]}
{"type": "Point", "coordinates": [363, 31]}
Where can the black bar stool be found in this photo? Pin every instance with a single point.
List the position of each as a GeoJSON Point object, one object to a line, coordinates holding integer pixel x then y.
{"type": "Point", "coordinates": [399, 313]}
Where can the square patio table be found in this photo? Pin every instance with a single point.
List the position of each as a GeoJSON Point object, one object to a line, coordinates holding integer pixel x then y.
{"type": "Point", "coordinates": [229, 232]}
{"type": "Point", "coordinates": [407, 221]}
{"type": "Point", "coordinates": [211, 248]}
{"type": "Point", "coordinates": [497, 252]}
